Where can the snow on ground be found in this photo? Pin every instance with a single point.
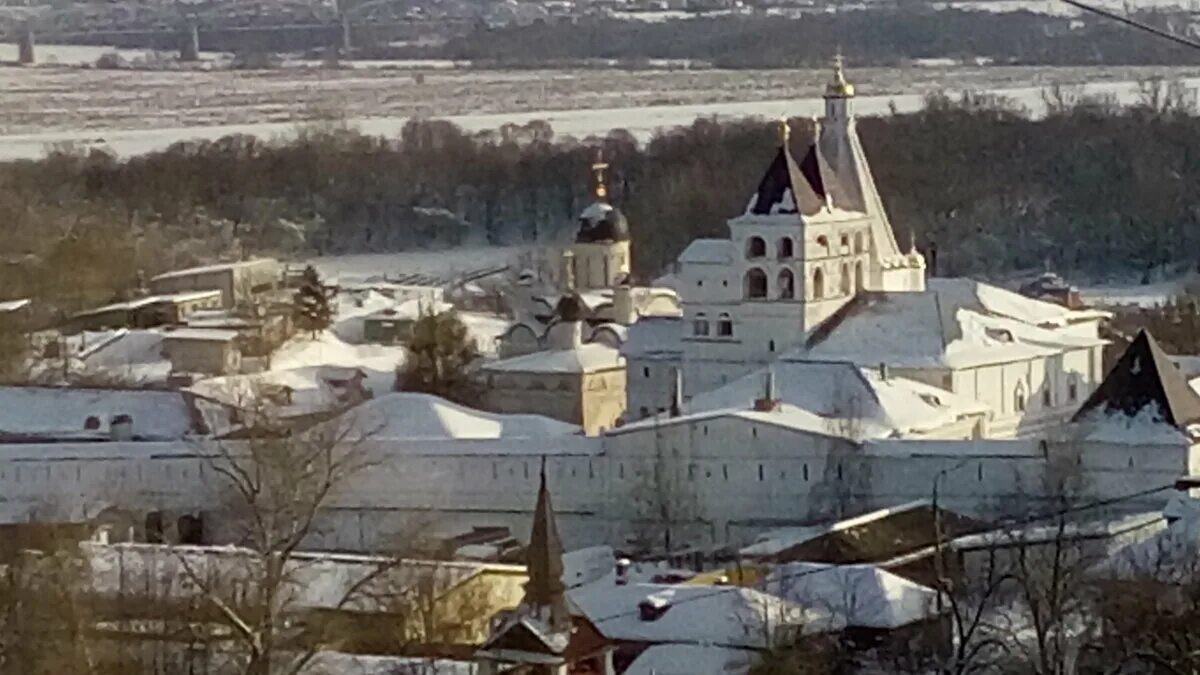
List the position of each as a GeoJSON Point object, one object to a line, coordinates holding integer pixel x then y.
{"type": "Point", "coordinates": [1143, 295]}
{"type": "Point", "coordinates": [445, 264]}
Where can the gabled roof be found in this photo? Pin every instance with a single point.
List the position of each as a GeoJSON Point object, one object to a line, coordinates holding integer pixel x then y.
{"type": "Point", "coordinates": [875, 537]}
{"type": "Point", "coordinates": [1144, 378]}
{"type": "Point", "coordinates": [788, 187]}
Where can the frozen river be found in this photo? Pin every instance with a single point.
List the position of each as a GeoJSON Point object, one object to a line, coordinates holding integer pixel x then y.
{"type": "Point", "coordinates": [642, 121]}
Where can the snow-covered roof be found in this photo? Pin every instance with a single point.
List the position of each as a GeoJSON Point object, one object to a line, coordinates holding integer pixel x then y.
{"type": "Point", "coordinates": [311, 389]}
{"type": "Point", "coordinates": [325, 662]}
{"type": "Point", "coordinates": [860, 596]}
{"type": "Point", "coordinates": [132, 355]}
{"type": "Point", "coordinates": [708, 251]}
{"type": "Point", "coordinates": [201, 334]}
{"type": "Point", "coordinates": [836, 391]}
{"type": "Point", "coordinates": [13, 305]}
{"type": "Point", "coordinates": [583, 358]}
{"type": "Point", "coordinates": [1171, 555]}
{"type": "Point", "coordinates": [314, 579]}
{"type": "Point", "coordinates": [682, 659]}
{"type": "Point", "coordinates": [955, 323]}
{"type": "Point", "coordinates": [411, 416]}
{"type": "Point", "coordinates": [187, 296]}
{"type": "Point", "coordinates": [217, 267]}
{"type": "Point", "coordinates": [654, 337]}
{"type": "Point", "coordinates": [60, 412]}
{"type": "Point", "coordinates": [726, 616]}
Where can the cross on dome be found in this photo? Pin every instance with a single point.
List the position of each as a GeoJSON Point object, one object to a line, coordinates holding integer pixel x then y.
{"type": "Point", "coordinates": [785, 131]}
{"type": "Point", "coordinates": [598, 168]}
{"type": "Point", "coordinates": [838, 87]}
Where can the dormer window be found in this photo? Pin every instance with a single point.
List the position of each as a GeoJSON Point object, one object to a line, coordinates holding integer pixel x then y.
{"type": "Point", "coordinates": [756, 247]}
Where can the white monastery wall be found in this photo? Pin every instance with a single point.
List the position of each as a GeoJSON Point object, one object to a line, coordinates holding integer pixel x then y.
{"type": "Point", "coordinates": [742, 476]}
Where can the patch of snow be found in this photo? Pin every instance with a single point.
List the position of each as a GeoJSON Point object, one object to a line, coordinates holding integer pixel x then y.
{"type": "Point", "coordinates": [409, 416]}
{"type": "Point", "coordinates": [682, 659]}
{"type": "Point", "coordinates": [721, 615]}
{"type": "Point", "coordinates": [1147, 427]}
{"type": "Point", "coordinates": [50, 411]}
{"type": "Point", "coordinates": [13, 305]}
{"type": "Point", "coordinates": [584, 358]}
{"type": "Point", "coordinates": [201, 334]}
{"type": "Point", "coordinates": [379, 362]}
{"type": "Point", "coordinates": [860, 596]}
{"type": "Point", "coordinates": [708, 251]}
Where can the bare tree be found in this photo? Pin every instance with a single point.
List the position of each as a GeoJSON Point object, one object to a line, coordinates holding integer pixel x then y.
{"type": "Point", "coordinates": [275, 486]}
{"type": "Point", "coordinates": [662, 495]}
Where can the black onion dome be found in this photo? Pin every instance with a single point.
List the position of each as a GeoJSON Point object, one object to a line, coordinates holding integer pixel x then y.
{"type": "Point", "coordinates": [601, 222]}
{"type": "Point", "coordinates": [569, 308]}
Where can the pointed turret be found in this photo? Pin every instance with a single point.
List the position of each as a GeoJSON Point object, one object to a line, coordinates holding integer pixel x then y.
{"type": "Point", "coordinates": [1145, 377]}
{"type": "Point", "coordinates": [788, 187]}
{"type": "Point", "coordinates": [544, 592]}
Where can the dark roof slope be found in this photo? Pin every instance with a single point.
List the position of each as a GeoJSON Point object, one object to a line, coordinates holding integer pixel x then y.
{"type": "Point", "coordinates": [1144, 375]}
{"type": "Point", "coordinates": [778, 180]}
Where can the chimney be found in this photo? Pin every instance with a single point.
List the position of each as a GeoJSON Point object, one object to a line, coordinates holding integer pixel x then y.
{"type": "Point", "coordinates": [566, 270]}
{"type": "Point", "coordinates": [769, 401]}
{"type": "Point", "coordinates": [120, 428]}
{"type": "Point", "coordinates": [623, 572]}
{"type": "Point", "coordinates": [623, 310]}
{"type": "Point", "coordinates": [883, 372]}
{"type": "Point", "coordinates": [677, 394]}
{"type": "Point", "coordinates": [653, 607]}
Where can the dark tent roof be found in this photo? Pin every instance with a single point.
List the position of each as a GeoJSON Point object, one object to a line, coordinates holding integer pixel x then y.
{"type": "Point", "coordinates": [611, 227]}
{"type": "Point", "coordinates": [544, 555]}
{"type": "Point", "coordinates": [1144, 375]}
{"type": "Point", "coordinates": [778, 180]}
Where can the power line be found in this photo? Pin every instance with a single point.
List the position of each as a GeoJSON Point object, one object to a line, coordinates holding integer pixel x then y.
{"type": "Point", "coordinates": [1058, 513]}
{"type": "Point", "coordinates": [1135, 24]}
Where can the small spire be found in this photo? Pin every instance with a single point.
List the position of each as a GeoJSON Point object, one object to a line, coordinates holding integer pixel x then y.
{"type": "Point", "coordinates": [838, 87]}
{"type": "Point", "coordinates": [544, 592]}
{"type": "Point", "coordinates": [785, 131]}
{"type": "Point", "coordinates": [598, 169]}
{"type": "Point", "coordinates": [912, 241]}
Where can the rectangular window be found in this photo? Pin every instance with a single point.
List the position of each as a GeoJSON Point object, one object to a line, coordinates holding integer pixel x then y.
{"type": "Point", "coordinates": [725, 328]}
{"type": "Point", "coordinates": [700, 327]}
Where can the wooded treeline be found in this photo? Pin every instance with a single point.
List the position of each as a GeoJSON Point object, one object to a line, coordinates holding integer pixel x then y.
{"type": "Point", "coordinates": [869, 37]}
{"type": "Point", "coordinates": [1095, 189]}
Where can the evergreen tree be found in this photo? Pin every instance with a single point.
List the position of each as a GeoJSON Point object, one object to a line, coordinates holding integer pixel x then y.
{"type": "Point", "coordinates": [440, 354]}
{"type": "Point", "coordinates": [311, 307]}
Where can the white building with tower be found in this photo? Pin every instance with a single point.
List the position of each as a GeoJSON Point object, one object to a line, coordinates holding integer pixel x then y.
{"type": "Point", "coordinates": [811, 271]}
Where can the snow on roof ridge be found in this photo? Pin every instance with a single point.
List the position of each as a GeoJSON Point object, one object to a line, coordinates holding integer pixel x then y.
{"type": "Point", "coordinates": [213, 267]}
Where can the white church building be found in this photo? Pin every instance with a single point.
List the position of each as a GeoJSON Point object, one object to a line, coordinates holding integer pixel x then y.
{"type": "Point", "coordinates": [812, 271]}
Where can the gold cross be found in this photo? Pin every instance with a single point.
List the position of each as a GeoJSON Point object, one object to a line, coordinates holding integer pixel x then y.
{"type": "Point", "coordinates": [598, 168]}
{"type": "Point", "coordinates": [785, 130]}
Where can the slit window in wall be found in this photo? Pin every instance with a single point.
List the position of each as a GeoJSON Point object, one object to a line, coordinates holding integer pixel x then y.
{"type": "Point", "coordinates": [760, 472]}
{"type": "Point", "coordinates": [646, 371]}
{"type": "Point", "coordinates": [1073, 388]}
{"type": "Point", "coordinates": [725, 471]}
{"type": "Point", "coordinates": [845, 280]}
{"type": "Point", "coordinates": [804, 472]}
{"type": "Point", "coordinates": [979, 472]}
{"type": "Point", "coordinates": [1047, 400]}
{"type": "Point", "coordinates": [771, 346]}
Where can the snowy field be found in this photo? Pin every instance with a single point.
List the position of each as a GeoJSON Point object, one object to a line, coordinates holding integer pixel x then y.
{"type": "Point", "coordinates": [444, 264]}
{"type": "Point", "coordinates": [132, 112]}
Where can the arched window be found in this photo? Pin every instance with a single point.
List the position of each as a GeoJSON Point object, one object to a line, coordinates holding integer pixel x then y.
{"type": "Point", "coordinates": [858, 276]}
{"type": "Point", "coordinates": [724, 326]}
{"type": "Point", "coordinates": [786, 248]}
{"type": "Point", "coordinates": [700, 325]}
{"type": "Point", "coordinates": [787, 285]}
{"type": "Point", "coordinates": [845, 243]}
{"type": "Point", "coordinates": [755, 284]}
{"type": "Point", "coordinates": [1019, 397]}
{"type": "Point", "coordinates": [756, 247]}
{"type": "Point", "coordinates": [858, 242]}
{"type": "Point", "coordinates": [818, 284]}
{"type": "Point", "coordinates": [823, 244]}
{"type": "Point", "coordinates": [845, 280]}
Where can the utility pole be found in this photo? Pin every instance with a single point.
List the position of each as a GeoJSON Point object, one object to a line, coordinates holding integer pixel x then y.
{"type": "Point", "coordinates": [1134, 24]}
